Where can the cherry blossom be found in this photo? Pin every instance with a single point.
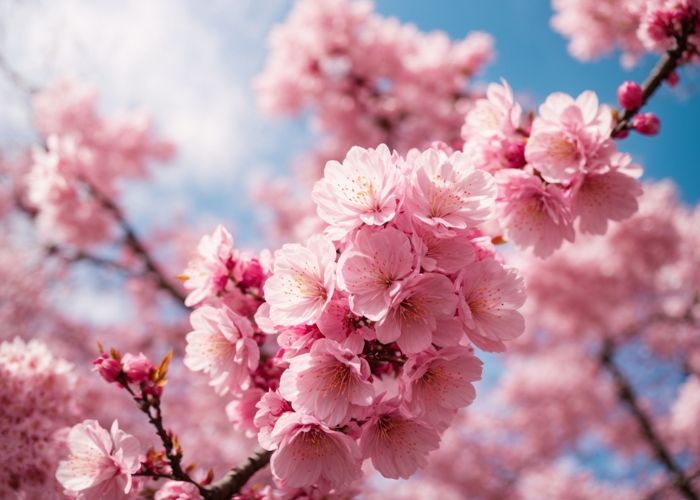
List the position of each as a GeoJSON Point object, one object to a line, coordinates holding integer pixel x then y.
{"type": "Point", "coordinates": [372, 270]}
{"type": "Point", "coordinates": [302, 282]}
{"type": "Point", "coordinates": [308, 452]}
{"type": "Point", "coordinates": [396, 442]}
{"type": "Point", "coordinates": [221, 345]}
{"type": "Point", "coordinates": [364, 189]}
{"type": "Point", "coordinates": [101, 463]}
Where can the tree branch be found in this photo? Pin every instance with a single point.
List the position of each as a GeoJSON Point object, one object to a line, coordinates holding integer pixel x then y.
{"type": "Point", "coordinates": [15, 78]}
{"type": "Point", "coordinates": [663, 69]}
{"type": "Point", "coordinates": [134, 243]}
{"type": "Point", "coordinates": [630, 399]}
{"type": "Point", "coordinates": [151, 407]}
{"type": "Point", "coordinates": [236, 479]}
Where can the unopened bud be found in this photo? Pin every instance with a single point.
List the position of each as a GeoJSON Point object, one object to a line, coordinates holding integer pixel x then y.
{"type": "Point", "coordinates": [630, 95]}
{"type": "Point", "coordinates": [646, 123]}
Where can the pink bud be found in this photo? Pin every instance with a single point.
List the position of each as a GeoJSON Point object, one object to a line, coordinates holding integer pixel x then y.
{"type": "Point", "coordinates": [672, 79]}
{"type": "Point", "coordinates": [515, 155]}
{"type": "Point", "coordinates": [107, 367]}
{"type": "Point", "coordinates": [137, 368]}
{"type": "Point", "coordinates": [251, 273]}
{"type": "Point", "coordinates": [630, 95]}
{"type": "Point", "coordinates": [621, 134]}
{"type": "Point", "coordinates": [646, 123]}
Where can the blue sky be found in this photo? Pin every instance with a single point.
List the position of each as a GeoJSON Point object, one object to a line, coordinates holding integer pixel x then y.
{"type": "Point", "coordinates": [533, 58]}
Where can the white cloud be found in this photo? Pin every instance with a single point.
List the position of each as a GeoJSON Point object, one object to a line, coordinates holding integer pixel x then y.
{"type": "Point", "coordinates": [188, 63]}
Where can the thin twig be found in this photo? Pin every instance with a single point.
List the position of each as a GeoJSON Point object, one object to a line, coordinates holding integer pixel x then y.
{"type": "Point", "coordinates": [155, 418]}
{"type": "Point", "coordinates": [132, 241]}
{"type": "Point", "coordinates": [630, 399]}
{"type": "Point", "coordinates": [15, 77]}
{"type": "Point", "coordinates": [663, 69]}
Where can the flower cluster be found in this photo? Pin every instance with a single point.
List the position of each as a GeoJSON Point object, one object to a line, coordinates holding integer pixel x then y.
{"type": "Point", "coordinates": [83, 153]}
{"type": "Point", "coordinates": [636, 26]}
{"type": "Point", "coordinates": [37, 397]}
{"type": "Point", "coordinates": [556, 172]}
{"type": "Point", "coordinates": [374, 319]}
{"type": "Point", "coordinates": [372, 79]}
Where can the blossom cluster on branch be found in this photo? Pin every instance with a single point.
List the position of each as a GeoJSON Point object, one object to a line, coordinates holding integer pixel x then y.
{"type": "Point", "coordinates": [354, 346]}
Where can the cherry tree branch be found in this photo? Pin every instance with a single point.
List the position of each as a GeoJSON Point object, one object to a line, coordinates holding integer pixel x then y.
{"type": "Point", "coordinates": [656, 494]}
{"type": "Point", "coordinates": [237, 478]}
{"type": "Point", "coordinates": [132, 241]}
{"type": "Point", "coordinates": [15, 77]}
{"type": "Point", "coordinates": [83, 256]}
{"type": "Point", "coordinates": [150, 405]}
{"type": "Point", "coordinates": [663, 69]}
{"type": "Point", "coordinates": [630, 399]}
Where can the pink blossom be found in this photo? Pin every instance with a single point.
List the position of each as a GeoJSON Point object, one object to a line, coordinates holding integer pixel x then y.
{"type": "Point", "coordinates": [38, 398]}
{"type": "Point", "coordinates": [338, 322]}
{"type": "Point", "coordinates": [364, 189]}
{"type": "Point", "coordinates": [65, 213]}
{"type": "Point", "coordinates": [441, 382]}
{"type": "Point", "coordinates": [177, 490]}
{"type": "Point", "coordinates": [328, 382]}
{"type": "Point", "coordinates": [685, 414]}
{"type": "Point", "coordinates": [308, 452]}
{"type": "Point", "coordinates": [397, 443]}
{"type": "Point", "coordinates": [302, 282]}
{"type": "Point", "coordinates": [445, 252]}
{"type": "Point", "coordinates": [534, 214]}
{"type": "Point", "coordinates": [493, 131]}
{"type": "Point", "coordinates": [665, 20]}
{"type": "Point", "coordinates": [598, 198]}
{"type": "Point", "coordinates": [449, 192]}
{"type": "Point", "coordinates": [270, 407]}
{"type": "Point", "coordinates": [595, 28]}
{"type": "Point", "coordinates": [297, 340]}
{"type": "Point", "coordinates": [108, 368]}
{"type": "Point", "coordinates": [241, 411]}
{"type": "Point", "coordinates": [415, 312]}
{"type": "Point", "coordinates": [137, 368]}
{"type": "Point", "coordinates": [491, 295]}
{"type": "Point", "coordinates": [221, 345]}
{"type": "Point", "coordinates": [372, 269]}
{"type": "Point", "coordinates": [497, 114]}
{"type": "Point", "coordinates": [646, 123]}
{"type": "Point", "coordinates": [630, 95]}
{"type": "Point", "coordinates": [570, 136]}
{"type": "Point", "coordinates": [207, 275]}
{"type": "Point", "coordinates": [101, 464]}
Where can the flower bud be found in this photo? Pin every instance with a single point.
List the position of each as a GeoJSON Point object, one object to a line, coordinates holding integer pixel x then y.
{"type": "Point", "coordinates": [672, 79]}
{"type": "Point", "coordinates": [630, 95]}
{"type": "Point", "coordinates": [107, 367]}
{"type": "Point", "coordinates": [137, 368]}
{"type": "Point", "coordinates": [646, 123]}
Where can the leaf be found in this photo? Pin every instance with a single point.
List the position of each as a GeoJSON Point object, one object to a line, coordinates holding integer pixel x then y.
{"type": "Point", "coordinates": [162, 370]}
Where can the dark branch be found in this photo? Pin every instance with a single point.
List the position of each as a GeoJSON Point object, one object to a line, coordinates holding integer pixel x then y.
{"type": "Point", "coordinates": [151, 407]}
{"type": "Point", "coordinates": [83, 256]}
{"type": "Point", "coordinates": [657, 494]}
{"type": "Point", "coordinates": [17, 79]}
{"type": "Point", "coordinates": [236, 479]}
{"type": "Point", "coordinates": [663, 69]}
{"type": "Point", "coordinates": [630, 399]}
{"type": "Point", "coordinates": [134, 243]}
